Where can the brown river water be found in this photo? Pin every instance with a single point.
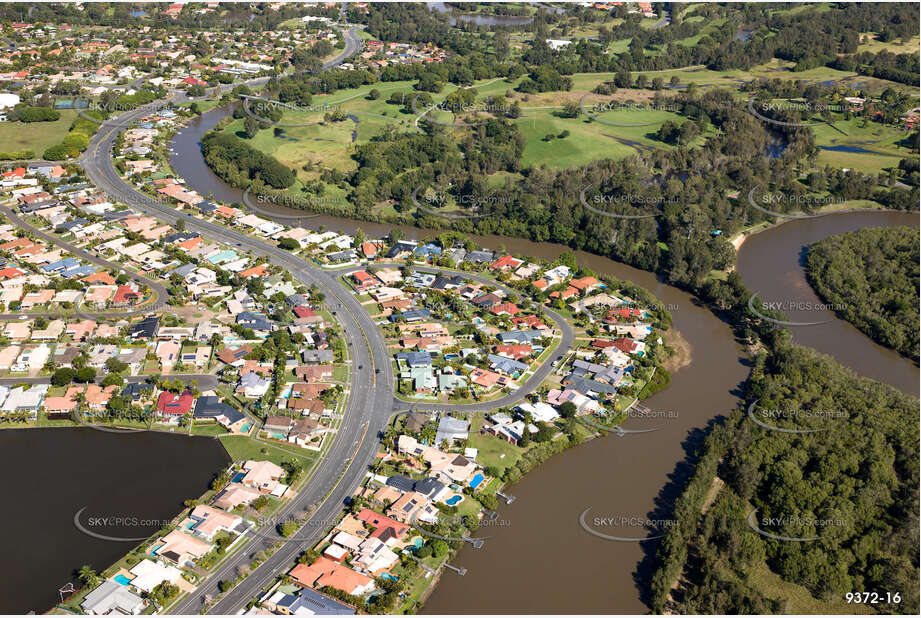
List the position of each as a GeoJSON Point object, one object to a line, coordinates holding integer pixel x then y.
{"type": "Point", "coordinates": [538, 557]}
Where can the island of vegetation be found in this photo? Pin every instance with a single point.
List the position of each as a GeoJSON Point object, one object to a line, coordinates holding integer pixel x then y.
{"type": "Point", "coordinates": [871, 279]}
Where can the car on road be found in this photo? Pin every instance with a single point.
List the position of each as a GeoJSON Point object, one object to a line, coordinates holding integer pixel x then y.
{"type": "Point", "coordinates": [360, 367]}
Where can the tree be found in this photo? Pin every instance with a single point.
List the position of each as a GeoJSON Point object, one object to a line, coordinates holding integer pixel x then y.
{"type": "Point", "coordinates": [439, 548]}
{"type": "Point", "coordinates": [88, 576]}
{"type": "Point", "coordinates": [63, 376]}
{"type": "Point", "coordinates": [87, 374]}
{"type": "Point", "coordinates": [374, 94]}
{"type": "Point", "coordinates": [250, 127]}
{"type": "Point", "coordinates": [113, 365]}
{"type": "Point", "coordinates": [568, 409]}
{"type": "Point", "coordinates": [287, 528]}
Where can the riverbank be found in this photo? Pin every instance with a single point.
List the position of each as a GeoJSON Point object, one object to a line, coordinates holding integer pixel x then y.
{"type": "Point", "coordinates": [707, 386]}
{"type": "Point", "coordinates": [741, 236]}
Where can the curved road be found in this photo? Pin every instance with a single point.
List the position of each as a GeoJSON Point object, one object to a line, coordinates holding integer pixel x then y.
{"type": "Point", "coordinates": [370, 400]}
{"type": "Point", "coordinates": [51, 239]}
{"type": "Point", "coordinates": [566, 342]}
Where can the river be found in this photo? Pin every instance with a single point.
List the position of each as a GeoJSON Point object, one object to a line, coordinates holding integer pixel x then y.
{"type": "Point", "coordinates": [771, 264]}
{"type": "Point", "coordinates": [142, 476]}
{"type": "Point", "coordinates": [540, 559]}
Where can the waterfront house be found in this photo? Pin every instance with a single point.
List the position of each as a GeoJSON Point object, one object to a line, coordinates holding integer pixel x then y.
{"type": "Point", "coordinates": [233, 496]}
{"type": "Point", "coordinates": [180, 548]}
{"type": "Point", "coordinates": [112, 598]}
{"type": "Point", "coordinates": [262, 475]}
{"type": "Point", "coordinates": [148, 574]}
{"type": "Point", "coordinates": [207, 521]}
{"type": "Point", "coordinates": [325, 572]}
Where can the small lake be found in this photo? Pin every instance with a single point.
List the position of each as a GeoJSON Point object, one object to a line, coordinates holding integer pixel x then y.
{"type": "Point", "coordinates": [53, 473]}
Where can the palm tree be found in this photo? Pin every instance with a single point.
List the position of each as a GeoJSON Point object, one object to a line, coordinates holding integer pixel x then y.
{"type": "Point", "coordinates": [88, 576]}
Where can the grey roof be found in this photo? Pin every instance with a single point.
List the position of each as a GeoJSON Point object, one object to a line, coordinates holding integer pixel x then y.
{"type": "Point", "coordinates": [145, 329]}
{"type": "Point", "coordinates": [584, 385]}
{"type": "Point", "coordinates": [479, 256]}
{"type": "Point", "coordinates": [506, 365]}
{"type": "Point", "coordinates": [312, 602]}
{"type": "Point", "coordinates": [211, 406]}
{"type": "Point", "coordinates": [342, 256]}
{"type": "Point", "coordinates": [318, 356]}
{"type": "Point", "coordinates": [428, 487]}
{"type": "Point", "coordinates": [249, 380]}
{"type": "Point", "coordinates": [450, 428]}
{"type": "Point", "coordinates": [111, 597]}
{"type": "Point", "coordinates": [184, 270]}
{"type": "Point", "coordinates": [416, 359]}
{"type": "Point", "coordinates": [520, 336]}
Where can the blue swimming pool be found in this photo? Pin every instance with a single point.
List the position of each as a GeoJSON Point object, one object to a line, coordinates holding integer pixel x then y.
{"type": "Point", "coordinates": [238, 477]}
{"type": "Point", "coordinates": [246, 427]}
{"type": "Point", "coordinates": [121, 579]}
{"type": "Point", "coordinates": [453, 500]}
{"type": "Point", "coordinates": [390, 577]}
{"type": "Point", "coordinates": [153, 550]}
{"type": "Point", "coordinates": [477, 480]}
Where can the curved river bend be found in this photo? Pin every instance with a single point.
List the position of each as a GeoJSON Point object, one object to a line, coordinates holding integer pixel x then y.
{"type": "Point", "coordinates": [540, 559]}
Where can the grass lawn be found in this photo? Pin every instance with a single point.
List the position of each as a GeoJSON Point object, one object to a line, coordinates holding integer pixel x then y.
{"type": "Point", "coordinates": [241, 448]}
{"type": "Point", "coordinates": [35, 136]}
{"type": "Point", "coordinates": [881, 143]}
{"type": "Point", "coordinates": [895, 47]}
{"type": "Point", "coordinates": [490, 448]}
{"type": "Point", "coordinates": [208, 429]}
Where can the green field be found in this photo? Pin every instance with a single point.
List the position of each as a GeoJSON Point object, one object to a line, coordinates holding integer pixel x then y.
{"type": "Point", "coordinates": [882, 142]}
{"type": "Point", "coordinates": [35, 136]}
{"type": "Point", "coordinates": [896, 47]}
{"type": "Point", "coordinates": [592, 140]}
{"type": "Point", "coordinates": [241, 448]}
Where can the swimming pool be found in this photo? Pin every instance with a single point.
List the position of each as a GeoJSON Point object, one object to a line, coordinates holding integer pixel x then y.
{"type": "Point", "coordinates": [390, 577]}
{"type": "Point", "coordinates": [153, 550]}
{"type": "Point", "coordinates": [477, 480]}
{"type": "Point", "coordinates": [453, 500]}
{"type": "Point", "coordinates": [238, 477]}
{"type": "Point", "coordinates": [277, 436]}
{"type": "Point", "coordinates": [121, 579]}
{"type": "Point", "coordinates": [246, 427]}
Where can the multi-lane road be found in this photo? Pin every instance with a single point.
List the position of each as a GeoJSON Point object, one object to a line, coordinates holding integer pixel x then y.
{"type": "Point", "coordinates": [371, 400]}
